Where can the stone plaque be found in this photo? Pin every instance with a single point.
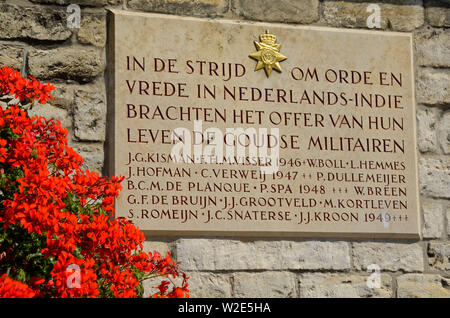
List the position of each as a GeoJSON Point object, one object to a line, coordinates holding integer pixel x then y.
{"type": "Point", "coordinates": [236, 128]}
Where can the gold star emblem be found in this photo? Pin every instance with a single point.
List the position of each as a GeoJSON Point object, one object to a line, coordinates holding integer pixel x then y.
{"type": "Point", "coordinates": [268, 54]}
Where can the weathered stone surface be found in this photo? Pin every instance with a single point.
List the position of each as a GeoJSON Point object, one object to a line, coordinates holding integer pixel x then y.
{"type": "Point", "coordinates": [77, 63]}
{"type": "Point", "coordinates": [444, 132]}
{"type": "Point", "coordinates": [433, 217]}
{"type": "Point", "coordinates": [90, 3]}
{"type": "Point", "coordinates": [89, 115]}
{"type": "Point", "coordinates": [277, 11]}
{"type": "Point", "coordinates": [63, 94]}
{"type": "Point", "coordinates": [92, 153]}
{"type": "Point", "coordinates": [439, 255]}
{"type": "Point", "coordinates": [7, 100]}
{"type": "Point", "coordinates": [206, 8]}
{"type": "Point", "coordinates": [437, 12]}
{"type": "Point", "coordinates": [404, 16]}
{"type": "Point", "coordinates": [49, 111]}
{"type": "Point", "coordinates": [163, 248]}
{"type": "Point", "coordinates": [156, 246]}
{"type": "Point", "coordinates": [426, 130]}
{"type": "Point", "coordinates": [422, 286]}
{"type": "Point", "coordinates": [265, 285]}
{"type": "Point", "coordinates": [388, 256]}
{"type": "Point", "coordinates": [11, 56]}
{"type": "Point", "coordinates": [150, 285]}
{"type": "Point", "coordinates": [433, 47]}
{"type": "Point", "coordinates": [448, 221]}
{"type": "Point", "coordinates": [432, 86]}
{"type": "Point", "coordinates": [434, 176]}
{"type": "Point", "coordinates": [93, 30]}
{"type": "Point", "coordinates": [208, 285]}
{"type": "Point", "coordinates": [319, 285]}
{"type": "Point", "coordinates": [17, 22]}
{"type": "Point", "coordinates": [204, 254]}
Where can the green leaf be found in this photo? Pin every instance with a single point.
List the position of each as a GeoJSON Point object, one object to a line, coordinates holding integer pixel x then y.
{"type": "Point", "coordinates": [21, 275]}
{"type": "Point", "coordinates": [34, 153]}
{"type": "Point", "coordinates": [34, 255]}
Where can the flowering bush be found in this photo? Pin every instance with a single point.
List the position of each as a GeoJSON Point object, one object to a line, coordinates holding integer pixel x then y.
{"type": "Point", "coordinates": [58, 236]}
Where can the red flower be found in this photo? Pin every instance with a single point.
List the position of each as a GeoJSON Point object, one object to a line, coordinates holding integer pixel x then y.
{"type": "Point", "coordinates": [70, 209]}
{"type": "Point", "coordinates": [34, 281]}
{"type": "Point", "coordinates": [13, 289]}
{"type": "Point", "coordinates": [11, 83]}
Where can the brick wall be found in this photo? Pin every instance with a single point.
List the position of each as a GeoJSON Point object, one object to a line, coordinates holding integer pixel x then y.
{"type": "Point", "coordinates": [35, 39]}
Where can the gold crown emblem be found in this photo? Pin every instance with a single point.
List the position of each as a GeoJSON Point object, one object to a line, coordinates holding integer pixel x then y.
{"type": "Point", "coordinates": [268, 38]}
{"type": "Point", "coordinates": [268, 54]}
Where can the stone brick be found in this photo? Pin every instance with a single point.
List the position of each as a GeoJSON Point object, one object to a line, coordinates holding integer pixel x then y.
{"type": "Point", "coordinates": [203, 8]}
{"type": "Point", "coordinates": [422, 286]}
{"type": "Point", "coordinates": [432, 86]}
{"type": "Point", "coordinates": [205, 254]}
{"type": "Point", "coordinates": [444, 132]}
{"type": "Point", "coordinates": [208, 285]}
{"type": "Point", "coordinates": [433, 216]}
{"type": "Point", "coordinates": [89, 115]}
{"type": "Point", "coordinates": [17, 22]}
{"type": "Point", "coordinates": [150, 285]}
{"type": "Point", "coordinates": [156, 246]}
{"type": "Point", "coordinates": [265, 285]}
{"type": "Point", "coordinates": [6, 100]}
{"type": "Point", "coordinates": [92, 30]}
{"type": "Point", "coordinates": [76, 63]}
{"type": "Point", "coordinates": [439, 255]}
{"type": "Point", "coordinates": [306, 11]}
{"type": "Point", "coordinates": [448, 221]}
{"type": "Point", "coordinates": [434, 176]}
{"type": "Point", "coordinates": [49, 111]}
{"type": "Point", "coordinates": [331, 285]}
{"type": "Point", "coordinates": [92, 153]}
{"type": "Point", "coordinates": [395, 15]}
{"type": "Point", "coordinates": [89, 3]}
{"type": "Point", "coordinates": [11, 56]}
{"type": "Point", "coordinates": [433, 47]}
{"type": "Point", "coordinates": [407, 257]}
{"type": "Point", "coordinates": [63, 94]}
{"type": "Point", "coordinates": [426, 130]}
{"type": "Point", "coordinates": [437, 12]}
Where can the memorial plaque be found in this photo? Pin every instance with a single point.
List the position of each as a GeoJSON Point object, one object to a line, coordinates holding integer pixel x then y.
{"type": "Point", "coordinates": [236, 128]}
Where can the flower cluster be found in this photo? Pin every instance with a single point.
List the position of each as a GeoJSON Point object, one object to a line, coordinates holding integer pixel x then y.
{"type": "Point", "coordinates": [58, 234]}
{"type": "Point", "coordinates": [13, 289]}
{"type": "Point", "coordinates": [25, 89]}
